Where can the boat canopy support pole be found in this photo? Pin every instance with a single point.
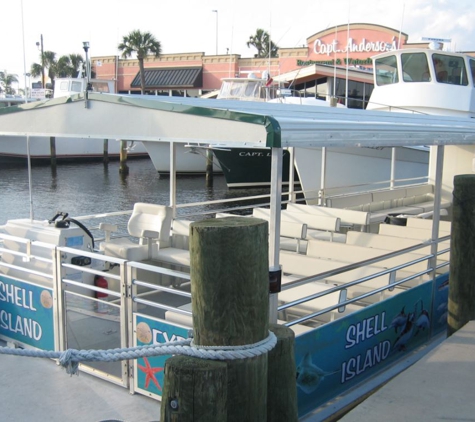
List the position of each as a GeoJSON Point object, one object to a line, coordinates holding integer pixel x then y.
{"type": "Point", "coordinates": [274, 224]}
{"type": "Point", "coordinates": [393, 168]}
{"type": "Point", "coordinates": [292, 197]}
{"type": "Point", "coordinates": [436, 215]}
{"type": "Point", "coordinates": [437, 198]}
{"type": "Point", "coordinates": [30, 179]}
{"type": "Point", "coordinates": [323, 177]}
{"type": "Point", "coordinates": [173, 177]}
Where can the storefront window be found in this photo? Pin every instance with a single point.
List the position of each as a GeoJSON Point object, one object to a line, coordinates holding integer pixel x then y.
{"type": "Point", "coordinates": [415, 67]}
{"type": "Point", "coordinates": [450, 69]}
{"type": "Point", "coordinates": [386, 71]}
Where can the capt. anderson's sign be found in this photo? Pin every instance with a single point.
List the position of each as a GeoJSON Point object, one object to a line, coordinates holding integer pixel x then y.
{"type": "Point", "coordinates": [351, 44]}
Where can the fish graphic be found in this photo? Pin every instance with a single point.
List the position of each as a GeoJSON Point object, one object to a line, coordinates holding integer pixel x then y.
{"type": "Point", "coordinates": [309, 375]}
{"type": "Point", "coordinates": [399, 320]}
{"type": "Point", "coordinates": [423, 321]}
{"type": "Point", "coordinates": [406, 333]}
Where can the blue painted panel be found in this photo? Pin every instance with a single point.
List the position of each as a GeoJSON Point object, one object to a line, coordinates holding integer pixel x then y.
{"type": "Point", "coordinates": [26, 313]}
{"type": "Point", "coordinates": [440, 305]}
{"type": "Point", "coordinates": [335, 357]}
{"type": "Point", "coordinates": [149, 371]}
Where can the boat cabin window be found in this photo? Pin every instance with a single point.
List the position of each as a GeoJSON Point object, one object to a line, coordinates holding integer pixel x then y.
{"type": "Point", "coordinates": [76, 86]}
{"type": "Point", "coordinates": [450, 69]}
{"type": "Point", "coordinates": [100, 87]}
{"type": "Point", "coordinates": [415, 67]}
{"type": "Point", "coordinates": [386, 71]}
{"type": "Point", "coordinates": [472, 70]}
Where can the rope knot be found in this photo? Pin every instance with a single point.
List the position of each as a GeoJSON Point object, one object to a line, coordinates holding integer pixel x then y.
{"type": "Point", "coordinates": [67, 361]}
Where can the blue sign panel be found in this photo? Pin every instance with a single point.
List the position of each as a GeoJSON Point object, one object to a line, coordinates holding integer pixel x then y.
{"type": "Point", "coordinates": [150, 370]}
{"type": "Point", "coordinates": [26, 313]}
{"type": "Point", "coordinates": [340, 354]}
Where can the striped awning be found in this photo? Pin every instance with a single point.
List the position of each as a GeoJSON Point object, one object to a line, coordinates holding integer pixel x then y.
{"type": "Point", "coordinates": [171, 78]}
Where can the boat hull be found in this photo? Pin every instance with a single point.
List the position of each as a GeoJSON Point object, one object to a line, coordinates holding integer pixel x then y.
{"type": "Point", "coordinates": [189, 160]}
{"type": "Point", "coordinates": [249, 167]}
{"type": "Point", "coordinates": [66, 149]}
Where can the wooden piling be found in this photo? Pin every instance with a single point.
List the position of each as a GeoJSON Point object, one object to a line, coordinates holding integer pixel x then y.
{"type": "Point", "coordinates": [106, 151]}
{"type": "Point", "coordinates": [52, 149]}
{"type": "Point", "coordinates": [209, 168]}
{"type": "Point", "coordinates": [461, 307]}
{"type": "Point", "coordinates": [123, 168]}
{"type": "Point", "coordinates": [203, 380]}
{"type": "Point", "coordinates": [230, 294]}
{"type": "Point", "coordinates": [281, 382]}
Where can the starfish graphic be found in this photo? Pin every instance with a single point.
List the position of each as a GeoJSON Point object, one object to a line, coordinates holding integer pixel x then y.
{"type": "Point", "coordinates": [150, 373]}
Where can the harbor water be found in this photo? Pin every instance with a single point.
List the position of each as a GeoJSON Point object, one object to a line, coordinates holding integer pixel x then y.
{"type": "Point", "coordinates": [91, 188]}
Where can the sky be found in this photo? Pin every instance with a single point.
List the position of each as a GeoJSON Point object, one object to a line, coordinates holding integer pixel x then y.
{"type": "Point", "coordinates": [184, 26]}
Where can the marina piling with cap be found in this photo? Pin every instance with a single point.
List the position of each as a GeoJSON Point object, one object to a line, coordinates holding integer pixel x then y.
{"type": "Point", "coordinates": [461, 306]}
{"type": "Point", "coordinates": [230, 294]}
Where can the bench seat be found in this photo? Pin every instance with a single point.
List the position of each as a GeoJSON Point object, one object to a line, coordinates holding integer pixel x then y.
{"type": "Point", "coordinates": [186, 320]}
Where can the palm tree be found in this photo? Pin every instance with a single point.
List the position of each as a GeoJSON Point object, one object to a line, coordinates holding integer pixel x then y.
{"type": "Point", "coordinates": [6, 81]}
{"type": "Point", "coordinates": [64, 67]}
{"type": "Point", "coordinates": [261, 41]}
{"type": "Point", "coordinates": [49, 61]}
{"type": "Point", "coordinates": [142, 44]}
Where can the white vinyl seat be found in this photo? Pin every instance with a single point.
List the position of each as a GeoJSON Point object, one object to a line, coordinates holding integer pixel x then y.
{"type": "Point", "coordinates": [150, 224]}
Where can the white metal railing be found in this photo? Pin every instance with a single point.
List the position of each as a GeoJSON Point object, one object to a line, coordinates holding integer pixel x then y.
{"type": "Point", "coordinates": [132, 288]}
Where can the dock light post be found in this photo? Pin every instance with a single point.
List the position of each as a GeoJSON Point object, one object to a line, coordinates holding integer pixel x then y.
{"type": "Point", "coordinates": [215, 11]}
{"type": "Point", "coordinates": [40, 46]}
{"type": "Point", "coordinates": [85, 46]}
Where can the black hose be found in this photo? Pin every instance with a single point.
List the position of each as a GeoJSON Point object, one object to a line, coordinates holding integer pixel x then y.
{"type": "Point", "coordinates": [65, 222]}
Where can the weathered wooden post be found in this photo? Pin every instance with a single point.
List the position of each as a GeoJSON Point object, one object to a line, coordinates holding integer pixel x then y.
{"type": "Point", "coordinates": [106, 151]}
{"type": "Point", "coordinates": [230, 293]}
{"type": "Point", "coordinates": [123, 168]}
{"type": "Point", "coordinates": [52, 149]}
{"type": "Point", "coordinates": [461, 305]}
{"type": "Point", "coordinates": [209, 168]}
{"type": "Point", "coordinates": [281, 380]}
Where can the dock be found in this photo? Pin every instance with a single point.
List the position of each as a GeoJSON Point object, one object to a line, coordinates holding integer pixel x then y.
{"type": "Point", "coordinates": [36, 389]}
{"type": "Point", "coordinates": [437, 387]}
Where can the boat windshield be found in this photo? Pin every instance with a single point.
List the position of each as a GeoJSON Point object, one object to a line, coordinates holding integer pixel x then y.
{"type": "Point", "coordinates": [472, 70]}
{"type": "Point", "coordinates": [386, 70]}
{"type": "Point", "coordinates": [241, 89]}
{"type": "Point", "coordinates": [415, 67]}
{"type": "Point", "coordinates": [450, 69]}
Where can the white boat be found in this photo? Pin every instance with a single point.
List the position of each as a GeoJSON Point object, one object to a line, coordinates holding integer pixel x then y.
{"type": "Point", "coordinates": [42, 149]}
{"type": "Point", "coordinates": [346, 334]}
{"type": "Point", "coordinates": [251, 168]}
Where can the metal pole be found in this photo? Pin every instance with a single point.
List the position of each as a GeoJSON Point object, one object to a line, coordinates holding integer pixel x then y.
{"type": "Point", "coordinates": [173, 177]}
{"type": "Point", "coordinates": [393, 168]}
{"type": "Point", "coordinates": [30, 180]}
{"type": "Point", "coordinates": [215, 11]}
{"type": "Point", "coordinates": [24, 59]}
{"type": "Point", "coordinates": [42, 64]}
{"type": "Point", "coordinates": [274, 225]}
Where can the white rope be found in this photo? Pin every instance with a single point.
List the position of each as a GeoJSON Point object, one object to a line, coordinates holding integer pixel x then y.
{"type": "Point", "coordinates": [69, 359]}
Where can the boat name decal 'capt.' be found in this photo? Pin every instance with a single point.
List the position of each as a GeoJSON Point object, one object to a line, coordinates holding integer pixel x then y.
{"type": "Point", "coordinates": [254, 154]}
{"type": "Point", "coordinates": [16, 323]}
{"type": "Point", "coordinates": [358, 333]}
